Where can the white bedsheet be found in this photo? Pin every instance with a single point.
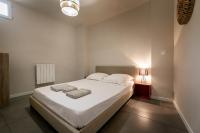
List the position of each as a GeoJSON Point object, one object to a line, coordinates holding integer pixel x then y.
{"type": "Point", "coordinates": [80, 112]}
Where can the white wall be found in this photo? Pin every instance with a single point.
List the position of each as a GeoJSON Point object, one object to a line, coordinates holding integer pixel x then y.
{"type": "Point", "coordinates": [162, 18]}
{"type": "Point", "coordinates": [142, 37]}
{"type": "Point", "coordinates": [32, 38]}
{"type": "Point", "coordinates": [186, 69]}
{"type": "Point", "coordinates": [122, 40]}
{"type": "Point", "coordinates": [82, 51]}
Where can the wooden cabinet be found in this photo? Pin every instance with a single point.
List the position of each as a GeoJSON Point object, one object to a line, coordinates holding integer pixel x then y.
{"type": "Point", "coordinates": [142, 90]}
{"type": "Point", "coordinates": [4, 79]}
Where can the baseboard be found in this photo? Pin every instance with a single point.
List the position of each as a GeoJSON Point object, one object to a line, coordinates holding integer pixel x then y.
{"type": "Point", "coordinates": [20, 94]}
{"type": "Point", "coordinates": [162, 99]}
{"type": "Point", "coordinates": [183, 118]}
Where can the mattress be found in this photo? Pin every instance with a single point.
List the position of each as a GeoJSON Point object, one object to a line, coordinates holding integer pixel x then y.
{"type": "Point", "coordinates": [80, 112]}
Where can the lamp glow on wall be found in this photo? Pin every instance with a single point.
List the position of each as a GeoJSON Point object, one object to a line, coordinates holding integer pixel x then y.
{"type": "Point", "coordinates": [143, 72]}
{"type": "Point", "coordinates": [70, 7]}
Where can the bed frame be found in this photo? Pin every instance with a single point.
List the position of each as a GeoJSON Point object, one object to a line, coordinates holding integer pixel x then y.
{"type": "Point", "coordinates": [63, 127]}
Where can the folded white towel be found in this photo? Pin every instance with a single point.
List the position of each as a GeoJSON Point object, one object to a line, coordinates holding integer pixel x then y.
{"type": "Point", "coordinates": [78, 93]}
{"type": "Point", "coordinates": [65, 88]}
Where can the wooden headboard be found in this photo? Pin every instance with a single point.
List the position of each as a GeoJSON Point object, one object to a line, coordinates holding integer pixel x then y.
{"type": "Point", "coordinates": [131, 70]}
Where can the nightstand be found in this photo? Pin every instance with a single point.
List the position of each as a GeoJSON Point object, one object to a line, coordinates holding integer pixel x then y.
{"type": "Point", "coordinates": [142, 90]}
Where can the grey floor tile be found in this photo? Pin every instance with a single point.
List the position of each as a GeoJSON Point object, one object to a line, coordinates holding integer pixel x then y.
{"type": "Point", "coordinates": [16, 110]}
{"type": "Point", "coordinates": [161, 114]}
{"type": "Point", "coordinates": [151, 101]}
{"type": "Point", "coordinates": [167, 104]}
{"type": "Point", "coordinates": [135, 124]}
{"type": "Point", "coordinates": [42, 123]}
{"type": "Point", "coordinates": [22, 98]}
{"type": "Point", "coordinates": [2, 121]}
{"type": "Point", "coordinates": [5, 129]}
{"type": "Point", "coordinates": [116, 123]}
{"type": "Point", "coordinates": [14, 113]}
{"type": "Point", "coordinates": [26, 125]}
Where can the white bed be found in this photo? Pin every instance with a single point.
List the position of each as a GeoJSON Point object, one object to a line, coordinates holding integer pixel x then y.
{"type": "Point", "coordinates": [80, 112]}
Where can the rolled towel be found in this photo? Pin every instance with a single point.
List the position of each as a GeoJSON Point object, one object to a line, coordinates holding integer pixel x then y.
{"type": "Point", "coordinates": [78, 93]}
{"type": "Point", "coordinates": [65, 88]}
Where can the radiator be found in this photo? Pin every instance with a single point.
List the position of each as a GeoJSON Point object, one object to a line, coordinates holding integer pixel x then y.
{"type": "Point", "coordinates": [45, 73]}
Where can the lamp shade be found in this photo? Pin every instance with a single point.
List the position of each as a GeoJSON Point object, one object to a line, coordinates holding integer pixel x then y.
{"type": "Point", "coordinates": [70, 7]}
{"type": "Point", "coordinates": [143, 72]}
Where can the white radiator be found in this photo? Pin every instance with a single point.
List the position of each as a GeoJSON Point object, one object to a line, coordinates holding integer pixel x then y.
{"type": "Point", "coordinates": [45, 73]}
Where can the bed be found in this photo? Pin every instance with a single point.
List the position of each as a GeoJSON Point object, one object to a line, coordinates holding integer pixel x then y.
{"type": "Point", "coordinates": [86, 114]}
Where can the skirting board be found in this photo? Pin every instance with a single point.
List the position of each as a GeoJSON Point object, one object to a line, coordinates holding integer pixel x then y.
{"type": "Point", "coordinates": [183, 117]}
{"type": "Point", "coordinates": [162, 99]}
{"type": "Point", "coordinates": [20, 94]}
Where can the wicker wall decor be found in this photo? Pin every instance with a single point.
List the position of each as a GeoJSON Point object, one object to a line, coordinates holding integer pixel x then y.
{"type": "Point", "coordinates": [184, 11]}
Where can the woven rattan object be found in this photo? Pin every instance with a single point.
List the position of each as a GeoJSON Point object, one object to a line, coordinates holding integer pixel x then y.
{"type": "Point", "coordinates": [184, 11]}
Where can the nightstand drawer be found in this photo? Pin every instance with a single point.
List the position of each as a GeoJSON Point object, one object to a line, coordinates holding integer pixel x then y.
{"type": "Point", "coordinates": [142, 90]}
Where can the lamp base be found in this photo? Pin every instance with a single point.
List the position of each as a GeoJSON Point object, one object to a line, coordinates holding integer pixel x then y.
{"type": "Point", "coordinates": [143, 80]}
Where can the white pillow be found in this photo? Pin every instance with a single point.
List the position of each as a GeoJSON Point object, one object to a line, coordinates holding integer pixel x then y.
{"type": "Point", "coordinates": [118, 79]}
{"type": "Point", "coordinates": [97, 76]}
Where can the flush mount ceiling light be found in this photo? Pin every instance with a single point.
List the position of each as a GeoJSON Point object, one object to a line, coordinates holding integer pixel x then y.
{"type": "Point", "coordinates": [70, 7]}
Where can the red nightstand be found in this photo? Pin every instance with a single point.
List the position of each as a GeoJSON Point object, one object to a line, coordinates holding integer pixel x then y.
{"type": "Point", "coordinates": [142, 90]}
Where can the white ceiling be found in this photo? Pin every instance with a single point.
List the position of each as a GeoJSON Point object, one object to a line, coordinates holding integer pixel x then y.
{"type": "Point", "coordinates": [91, 11]}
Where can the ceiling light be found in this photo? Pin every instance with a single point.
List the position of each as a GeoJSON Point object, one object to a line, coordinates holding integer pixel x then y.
{"type": "Point", "coordinates": [70, 7]}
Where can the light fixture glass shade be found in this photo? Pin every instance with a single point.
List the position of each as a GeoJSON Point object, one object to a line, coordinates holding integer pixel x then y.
{"type": "Point", "coordinates": [143, 72]}
{"type": "Point", "coordinates": [70, 7]}
{"type": "Point", "coordinates": [69, 11]}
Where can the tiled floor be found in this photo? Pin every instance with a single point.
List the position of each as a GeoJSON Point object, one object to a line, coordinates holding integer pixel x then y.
{"type": "Point", "coordinates": [137, 116]}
